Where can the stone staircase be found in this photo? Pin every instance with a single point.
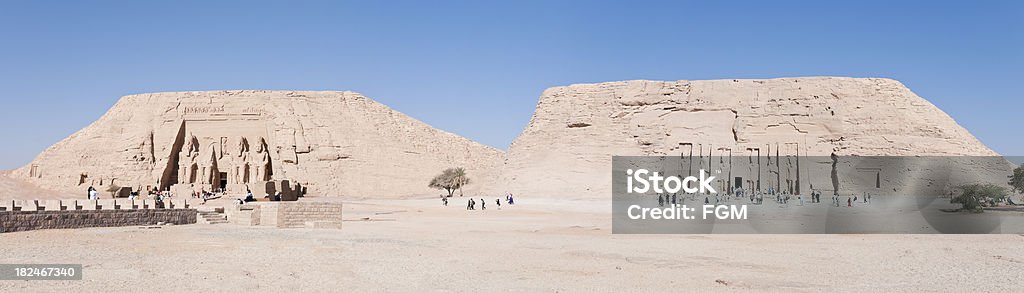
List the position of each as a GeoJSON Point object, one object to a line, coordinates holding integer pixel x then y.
{"type": "Point", "coordinates": [211, 217]}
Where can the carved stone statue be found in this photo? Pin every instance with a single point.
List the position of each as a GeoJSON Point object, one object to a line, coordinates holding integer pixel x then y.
{"type": "Point", "coordinates": [192, 146]}
{"type": "Point", "coordinates": [243, 148]}
{"type": "Point", "coordinates": [208, 166]}
{"type": "Point", "coordinates": [261, 161]}
{"type": "Point", "coordinates": [187, 160]}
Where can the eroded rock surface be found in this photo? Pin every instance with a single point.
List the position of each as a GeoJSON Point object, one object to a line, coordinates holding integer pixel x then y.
{"type": "Point", "coordinates": [326, 143]}
{"type": "Point", "coordinates": [566, 149]}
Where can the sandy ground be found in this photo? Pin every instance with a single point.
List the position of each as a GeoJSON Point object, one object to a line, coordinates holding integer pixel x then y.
{"type": "Point", "coordinates": [537, 245]}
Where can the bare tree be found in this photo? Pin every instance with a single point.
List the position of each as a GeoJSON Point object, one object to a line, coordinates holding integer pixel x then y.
{"type": "Point", "coordinates": [113, 189]}
{"type": "Point", "coordinates": [450, 179]}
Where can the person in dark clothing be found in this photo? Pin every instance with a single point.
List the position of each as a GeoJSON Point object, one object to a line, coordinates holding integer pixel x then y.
{"type": "Point", "coordinates": [483, 204]}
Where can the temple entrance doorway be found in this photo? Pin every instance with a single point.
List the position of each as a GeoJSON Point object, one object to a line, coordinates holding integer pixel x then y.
{"type": "Point", "coordinates": [223, 180]}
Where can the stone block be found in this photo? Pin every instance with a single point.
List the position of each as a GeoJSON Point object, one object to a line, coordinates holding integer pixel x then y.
{"type": "Point", "coordinates": [69, 204]}
{"type": "Point", "coordinates": [185, 189]}
{"type": "Point", "coordinates": [88, 205]}
{"type": "Point", "coordinates": [52, 205]}
{"type": "Point", "coordinates": [6, 205]}
{"type": "Point", "coordinates": [106, 204]}
{"type": "Point", "coordinates": [125, 204]}
{"type": "Point", "coordinates": [179, 203]}
{"type": "Point", "coordinates": [26, 205]}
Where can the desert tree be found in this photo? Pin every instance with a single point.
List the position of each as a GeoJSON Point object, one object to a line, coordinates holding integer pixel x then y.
{"type": "Point", "coordinates": [113, 189]}
{"type": "Point", "coordinates": [450, 179]}
{"type": "Point", "coordinates": [974, 197]}
{"type": "Point", "coordinates": [1017, 179]}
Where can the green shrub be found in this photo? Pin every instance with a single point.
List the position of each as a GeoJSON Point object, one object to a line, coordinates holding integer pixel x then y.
{"type": "Point", "coordinates": [974, 197]}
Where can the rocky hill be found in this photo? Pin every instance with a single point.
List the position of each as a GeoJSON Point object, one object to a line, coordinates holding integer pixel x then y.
{"type": "Point", "coordinates": [566, 149]}
{"type": "Point", "coordinates": [329, 143]}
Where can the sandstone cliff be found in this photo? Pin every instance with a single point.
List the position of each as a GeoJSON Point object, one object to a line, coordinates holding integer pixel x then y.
{"type": "Point", "coordinates": [332, 143]}
{"type": "Point", "coordinates": [566, 149]}
{"type": "Point", "coordinates": [344, 144]}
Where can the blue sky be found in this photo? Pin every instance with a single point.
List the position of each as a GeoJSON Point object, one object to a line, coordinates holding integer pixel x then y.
{"type": "Point", "coordinates": [476, 68]}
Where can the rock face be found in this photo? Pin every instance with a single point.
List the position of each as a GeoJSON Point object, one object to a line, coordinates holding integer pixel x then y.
{"type": "Point", "coordinates": [322, 143]}
{"type": "Point", "coordinates": [344, 144]}
{"type": "Point", "coordinates": [566, 149]}
{"type": "Point", "coordinates": [11, 188]}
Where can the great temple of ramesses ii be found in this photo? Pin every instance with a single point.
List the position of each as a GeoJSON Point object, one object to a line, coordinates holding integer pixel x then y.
{"type": "Point", "coordinates": [317, 143]}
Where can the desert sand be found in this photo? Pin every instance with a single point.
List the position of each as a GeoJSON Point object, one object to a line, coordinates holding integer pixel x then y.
{"type": "Point", "coordinates": [536, 245]}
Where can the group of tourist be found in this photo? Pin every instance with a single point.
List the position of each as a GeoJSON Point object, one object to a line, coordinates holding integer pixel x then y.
{"type": "Point", "coordinates": [155, 194]}
{"type": "Point", "coordinates": [837, 200]}
{"type": "Point", "coordinates": [472, 203]}
{"type": "Point", "coordinates": [278, 197]}
{"type": "Point", "coordinates": [204, 195]}
{"type": "Point", "coordinates": [815, 196]}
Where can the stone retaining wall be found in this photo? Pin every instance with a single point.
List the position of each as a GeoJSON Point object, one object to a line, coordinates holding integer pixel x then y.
{"type": "Point", "coordinates": [14, 221]}
{"type": "Point", "coordinates": [287, 214]}
{"type": "Point", "coordinates": [85, 204]}
{"type": "Point", "coordinates": [309, 215]}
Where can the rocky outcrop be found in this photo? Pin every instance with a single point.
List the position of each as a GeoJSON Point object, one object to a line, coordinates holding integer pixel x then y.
{"type": "Point", "coordinates": [566, 149]}
{"type": "Point", "coordinates": [326, 143]}
{"type": "Point", "coordinates": [344, 144]}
